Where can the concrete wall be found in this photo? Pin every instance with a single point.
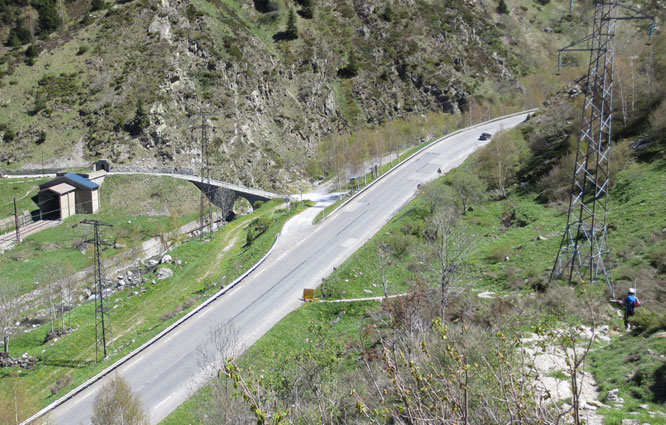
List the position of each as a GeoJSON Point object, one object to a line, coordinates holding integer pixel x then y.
{"type": "Point", "coordinates": [95, 200]}
{"type": "Point", "coordinates": [67, 205]}
{"type": "Point", "coordinates": [84, 202]}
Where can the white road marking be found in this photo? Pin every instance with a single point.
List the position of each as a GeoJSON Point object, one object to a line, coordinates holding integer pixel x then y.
{"type": "Point", "coordinates": [348, 242]}
{"type": "Point", "coordinates": [86, 396]}
{"type": "Point", "coordinates": [162, 402]}
{"type": "Point", "coordinates": [173, 333]}
{"type": "Point", "coordinates": [134, 363]}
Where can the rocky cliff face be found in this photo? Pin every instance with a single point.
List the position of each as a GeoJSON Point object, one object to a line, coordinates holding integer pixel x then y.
{"type": "Point", "coordinates": [128, 83]}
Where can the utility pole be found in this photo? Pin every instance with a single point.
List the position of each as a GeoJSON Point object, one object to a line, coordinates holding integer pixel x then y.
{"type": "Point", "coordinates": [101, 327]}
{"type": "Point", "coordinates": [584, 251]}
{"type": "Point", "coordinates": [204, 204]}
{"type": "Point", "coordinates": [16, 222]}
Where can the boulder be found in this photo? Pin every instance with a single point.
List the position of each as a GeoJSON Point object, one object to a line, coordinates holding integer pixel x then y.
{"type": "Point", "coordinates": [164, 273]}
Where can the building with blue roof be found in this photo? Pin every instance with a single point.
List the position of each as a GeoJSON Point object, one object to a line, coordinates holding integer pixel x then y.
{"type": "Point", "coordinates": [55, 196]}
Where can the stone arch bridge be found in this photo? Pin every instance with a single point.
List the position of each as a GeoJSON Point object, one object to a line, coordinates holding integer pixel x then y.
{"type": "Point", "coordinates": [221, 194]}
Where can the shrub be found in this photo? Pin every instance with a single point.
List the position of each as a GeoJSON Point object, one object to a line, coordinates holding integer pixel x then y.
{"type": "Point", "coordinates": [502, 8]}
{"type": "Point", "coordinates": [18, 35]}
{"type": "Point", "coordinates": [139, 122]}
{"type": "Point", "coordinates": [648, 322]}
{"type": "Point", "coordinates": [97, 4]}
{"type": "Point", "coordinates": [59, 384]}
{"type": "Point", "coordinates": [266, 6]}
{"type": "Point", "coordinates": [257, 204]}
{"type": "Point", "coordinates": [351, 69]}
{"type": "Point", "coordinates": [49, 19]}
{"type": "Point", "coordinates": [307, 8]}
{"type": "Point", "coordinates": [499, 253]}
{"type": "Point", "coordinates": [400, 244]}
{"type": "Point", "coordinates": [42, 137]}
{"type": "Point", "coordinates": [32, 51]}
{"type": "Point", "coordinates": [82, 49]}
{"type": "Point", "coordinates": [256, 228]}
{"type": "Point", "coordinates": [9, 135]}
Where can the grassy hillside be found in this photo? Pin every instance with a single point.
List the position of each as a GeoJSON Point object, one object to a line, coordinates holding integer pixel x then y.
{"type": "Point", "coordinates": [337, 353]}
{"type": "Point", "coordinates": [139, 207]}
{"type": "Point", "coordinates": [137, 313]}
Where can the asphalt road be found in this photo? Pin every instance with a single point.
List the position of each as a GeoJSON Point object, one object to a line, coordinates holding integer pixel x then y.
{"type": "Point", "coordinates": [165, 374]}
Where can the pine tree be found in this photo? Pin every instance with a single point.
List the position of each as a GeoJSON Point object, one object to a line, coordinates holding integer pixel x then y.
{"type": "Point", "coordinates": [502, 8]}
{"type": "Point", "coordinates": [97, 4]}
{"type": "Point", "coordinates": [291, 33]}
{"type": "Point", "coordinates": [49, 20]}
{"type": "Point", "coordinates": [351, 69]}
{"type": "Point", "coordinates": [307, 9]}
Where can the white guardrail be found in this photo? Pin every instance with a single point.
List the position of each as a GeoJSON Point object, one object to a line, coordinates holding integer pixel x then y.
{"type": "Point", "coordinates": [529, 111]}
{"type": "Point", "coordinates": [147, 344]}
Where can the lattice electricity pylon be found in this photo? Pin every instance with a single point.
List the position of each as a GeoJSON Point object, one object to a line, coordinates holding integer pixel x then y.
{"type": "Point", "coordinates": [205, 211]}
{"type": "Point", "coordinates": [584, 251]}
{"type": "Point", "coordinates": [101, 326]}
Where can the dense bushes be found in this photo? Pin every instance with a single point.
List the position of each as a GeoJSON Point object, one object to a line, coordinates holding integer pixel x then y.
{"type": "Point", "coordinates": [256, 228]}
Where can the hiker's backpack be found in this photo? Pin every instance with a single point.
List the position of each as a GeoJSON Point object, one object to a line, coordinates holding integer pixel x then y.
{"type": "Point", "coordinates": [630, 303]}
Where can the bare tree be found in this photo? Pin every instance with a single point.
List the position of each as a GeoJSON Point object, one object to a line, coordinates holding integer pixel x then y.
{"type": "Point", "coordinates": [58, 291]}
{"type": "Point", "coordinates": [116, 404]}
{"type": "Point", "coordinates": [221, 344]}
{"type": "Point", "coordinates": [448, 248]}
{"type": "Point", "coordinates": [383, 249]}
{"type": "Point", "coordinates": [9, 293]}
{"type": "Point", "coordinates": [16, 402]}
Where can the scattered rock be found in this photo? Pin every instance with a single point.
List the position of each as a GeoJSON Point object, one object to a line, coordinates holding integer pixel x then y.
{"type": "Point", "coordinates": [597, 403]}
{"type": "Point", "coordinates": [541, 238]}
{"type": "Point", "coordinates": [164, 273]}
{"type": "Point", "coordinates": [166, 259]}
{"type": "Point", "coordinates": [24, 362]}
{"type": "Point", "coordinates": [367, 291]}
{"type": "Point", "coordinates": [630, 422]}
{"type": "Point", "coordinates": [613, 396]}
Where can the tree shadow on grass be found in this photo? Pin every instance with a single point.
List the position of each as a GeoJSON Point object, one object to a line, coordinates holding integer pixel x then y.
{"type": "Point", "coordinates": [72, 364]}
{"type": "Point", "coordinates": [659, 386]}
{"type": "Point", "coordinates": [283, 36]}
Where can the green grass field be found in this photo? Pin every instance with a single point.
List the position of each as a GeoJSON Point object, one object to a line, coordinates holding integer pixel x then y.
{"type": "Point", "coordinates": [139, 207]}
{"type": "Point", "coordinates": [507, 258]}
{"type": "Point", "coordinates": [137, 314]}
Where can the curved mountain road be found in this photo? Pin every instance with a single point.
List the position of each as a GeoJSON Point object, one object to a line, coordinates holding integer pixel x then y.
{"type": "Point", "coordinates": [166, 373]}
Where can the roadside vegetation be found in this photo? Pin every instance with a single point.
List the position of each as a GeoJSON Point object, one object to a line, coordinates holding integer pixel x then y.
{"type": "Point", "coordinates": [470, 259]}
{"type": "Point", "coordinates": [63, 343]}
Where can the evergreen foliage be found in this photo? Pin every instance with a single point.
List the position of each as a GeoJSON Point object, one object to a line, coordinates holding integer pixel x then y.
{"type": "Point", "coordinates": [97, 4]}
{"type": "Point", "coordinates": [351, 69]}
{"type": "Point", "coordinates": [291, 32]}
{"type": "Point", "coordinates": [18, 35]}
{"type": "Point", "coordinates": [307, 8]}
{"type": "Point", "coordinates": [266, 6]}
{"type": "Point", "coordinates": [49, 19]}
{"type": "Point", "coordinates": [502, 8]}
{"type": "Point", "coordinates": [139, 122]}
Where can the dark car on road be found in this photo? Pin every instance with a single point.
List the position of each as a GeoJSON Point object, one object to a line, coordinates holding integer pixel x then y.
{"type": "Point", "coordinates": [485, 136]}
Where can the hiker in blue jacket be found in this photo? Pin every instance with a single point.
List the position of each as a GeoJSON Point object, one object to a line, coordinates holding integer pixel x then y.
{"type": "Point", "coordinates": [630, 302]}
